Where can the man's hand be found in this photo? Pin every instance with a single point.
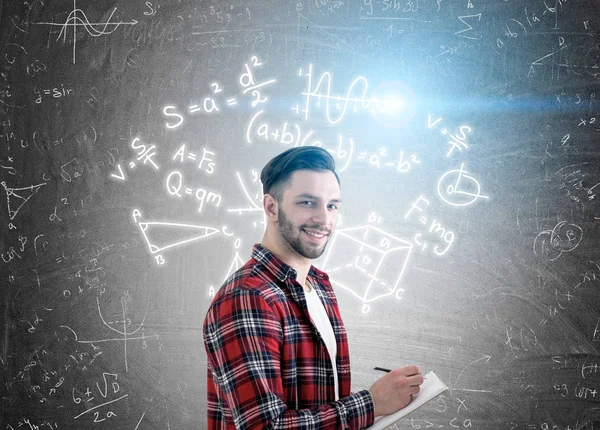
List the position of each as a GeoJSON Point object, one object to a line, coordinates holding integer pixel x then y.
{"type": "Point", "coordinates": [393, 391]}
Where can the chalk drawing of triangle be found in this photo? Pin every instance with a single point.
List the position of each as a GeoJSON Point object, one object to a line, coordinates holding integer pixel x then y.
{"type": "Point", "coordinates": [164, 235]}
{"type": "Point", "coordinates": [17, 197]}
{"type": "Point", "coordinates": [236, 263]}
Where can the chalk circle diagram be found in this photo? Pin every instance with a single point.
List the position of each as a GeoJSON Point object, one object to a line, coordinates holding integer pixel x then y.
{"type": "Point", "coordinates": [564, 237]}
{"type": "Point", "coordinates": [162, 235]}
{"type": "Point", "coordinates": [458, 188]}
{"type": "Point", "coordinates": [368, 263]}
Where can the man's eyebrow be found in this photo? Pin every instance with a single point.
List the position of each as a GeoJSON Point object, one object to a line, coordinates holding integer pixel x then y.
{"type": "Point", "coordinates": [312, 197]}
{"type": "Point", "coordinates": [306, 196]}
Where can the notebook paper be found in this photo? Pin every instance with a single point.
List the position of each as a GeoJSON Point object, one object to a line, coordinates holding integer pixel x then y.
{"type": "Point", "coordinates": [432, 386]}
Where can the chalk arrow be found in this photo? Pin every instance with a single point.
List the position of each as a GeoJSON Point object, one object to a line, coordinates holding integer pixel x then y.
{"type": "Point", "coordinates": [485, 357]}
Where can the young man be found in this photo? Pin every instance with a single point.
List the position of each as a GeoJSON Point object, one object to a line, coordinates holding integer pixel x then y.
{"type": "Point", "coordinates": [276, 345]}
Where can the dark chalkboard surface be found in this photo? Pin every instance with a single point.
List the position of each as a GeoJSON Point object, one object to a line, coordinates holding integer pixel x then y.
{"type": "Point", "coordinates": [466, 137]}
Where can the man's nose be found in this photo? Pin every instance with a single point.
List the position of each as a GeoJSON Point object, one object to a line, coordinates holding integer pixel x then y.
{"type": "Point", "coordinates": [323, 216]}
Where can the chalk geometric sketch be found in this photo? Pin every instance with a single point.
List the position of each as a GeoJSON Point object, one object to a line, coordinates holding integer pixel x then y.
{"type": "Point", "coordinates": [237, 261]}
{"type": "Point", "coordinates": [17, 193]}
{"type": "Point", "coordinates": [73, 20]}
{"type": "Point", "coordinates": [167, 235]}
{"type": "Point", "coordinates": [564, 237]}
{"type": "Point", "coordinates": [123, 335]}
{"type": "Point", "coordinates": [254, 203]}
{"type": "Point", "coordinates": [367, 262]}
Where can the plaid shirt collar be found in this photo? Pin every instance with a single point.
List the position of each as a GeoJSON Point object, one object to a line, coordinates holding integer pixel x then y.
{"type": "Point", "coordinates": [280, 270]}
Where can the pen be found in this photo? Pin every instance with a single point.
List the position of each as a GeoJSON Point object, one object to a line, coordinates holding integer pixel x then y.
{"type": "Point", "coordinates": [383, 369]}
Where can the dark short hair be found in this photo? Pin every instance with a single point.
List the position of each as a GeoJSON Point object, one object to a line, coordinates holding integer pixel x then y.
{"type": "Point", "coordinates": [279, 169]}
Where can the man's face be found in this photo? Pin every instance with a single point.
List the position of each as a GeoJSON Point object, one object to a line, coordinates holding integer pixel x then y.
{"type": "Point", "coordinates": [308, 212]}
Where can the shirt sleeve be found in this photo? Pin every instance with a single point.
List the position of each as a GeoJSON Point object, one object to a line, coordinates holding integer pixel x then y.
{"type": "Point", "coordinates": [242, 336]}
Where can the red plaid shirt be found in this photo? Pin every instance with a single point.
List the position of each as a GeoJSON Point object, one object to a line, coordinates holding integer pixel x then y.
{"type": "Point", "coordinates": [268, 367]}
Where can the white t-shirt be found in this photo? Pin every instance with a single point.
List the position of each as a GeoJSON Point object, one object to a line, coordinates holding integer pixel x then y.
{"type": "Point", "coordinates": [319, 317]}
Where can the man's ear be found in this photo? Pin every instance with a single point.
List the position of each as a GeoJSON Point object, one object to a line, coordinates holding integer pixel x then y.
{"type": "Point", "coordinates": [271, 207]}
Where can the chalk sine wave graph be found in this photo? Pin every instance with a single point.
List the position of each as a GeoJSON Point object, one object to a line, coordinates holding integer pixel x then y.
{"type": "Point", "coordinates": [78, 18]}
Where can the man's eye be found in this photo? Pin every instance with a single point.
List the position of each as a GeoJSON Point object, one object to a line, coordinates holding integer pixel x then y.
{"type": "Point", "coordinates": [334, 207]}
{"type": "Point", "coordinates": [306, 203]}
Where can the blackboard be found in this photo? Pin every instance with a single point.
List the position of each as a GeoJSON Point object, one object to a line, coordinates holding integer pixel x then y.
{"type": "Point", "coordinates": [465, 133]}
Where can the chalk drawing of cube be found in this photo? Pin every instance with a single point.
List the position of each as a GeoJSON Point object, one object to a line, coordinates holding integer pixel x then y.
{"type": "Point", "coordinates": [368, 262]}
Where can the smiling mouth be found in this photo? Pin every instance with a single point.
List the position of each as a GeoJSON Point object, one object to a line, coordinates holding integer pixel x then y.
{"type": "Point", "coordinates": [315, 234]}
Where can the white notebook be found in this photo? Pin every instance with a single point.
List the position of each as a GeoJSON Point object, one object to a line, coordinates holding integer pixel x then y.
{"type": "Point", "coordinates": [432, 386]}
